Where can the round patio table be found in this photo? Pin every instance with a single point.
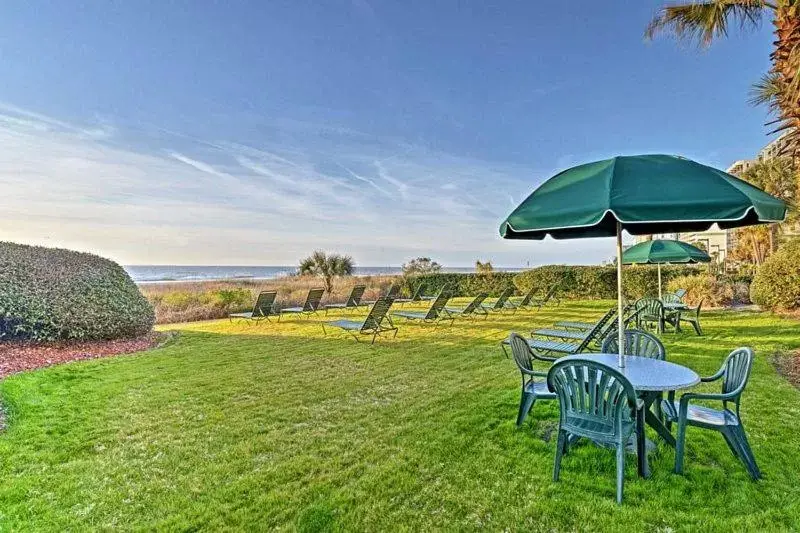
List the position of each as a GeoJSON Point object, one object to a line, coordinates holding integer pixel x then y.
{"type": "Point", "coordinates": [650, 378]}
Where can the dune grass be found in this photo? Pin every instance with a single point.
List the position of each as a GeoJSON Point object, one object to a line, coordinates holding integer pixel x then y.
{"type": "Point", "coordinates": [276, 426]}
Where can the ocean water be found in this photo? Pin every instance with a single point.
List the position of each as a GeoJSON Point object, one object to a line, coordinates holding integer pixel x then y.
{"type": "Point", "coordinates": [163, 273]}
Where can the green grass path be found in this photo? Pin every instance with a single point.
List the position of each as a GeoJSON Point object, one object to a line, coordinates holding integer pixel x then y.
{"type": "Point", "coordinates": [276, 426]}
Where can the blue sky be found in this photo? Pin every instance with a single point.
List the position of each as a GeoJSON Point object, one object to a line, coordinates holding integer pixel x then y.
{"type": "Point", "coordinates": [210, 132]}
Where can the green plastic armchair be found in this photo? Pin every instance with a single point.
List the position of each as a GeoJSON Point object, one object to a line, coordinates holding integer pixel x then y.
{"type": "Point", "coordinates": [532, 389]}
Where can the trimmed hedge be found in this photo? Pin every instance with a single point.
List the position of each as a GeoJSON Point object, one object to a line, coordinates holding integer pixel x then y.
{"type": "Point", "coordinates": [579, 282]}
{"type": "Point", "coordinates": [600, 282]}
{"type": "Point", "coordinates": [50, 294]}
{"type": "Point", "coordinates": [466, 284]}
{"type": "Point", "coordinates": [776, 284]}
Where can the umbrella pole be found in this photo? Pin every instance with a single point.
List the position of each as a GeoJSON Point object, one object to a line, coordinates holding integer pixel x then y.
{"type": "Point", "coordinates": [659, 282]}
{"type": "Point", "coordinates": [620, 320]}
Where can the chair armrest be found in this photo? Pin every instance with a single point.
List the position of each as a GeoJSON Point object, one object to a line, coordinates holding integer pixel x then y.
{"type": "Point", "coordinates": [713, 377]}
{"type": "Point", "coordinates": [686, 398]}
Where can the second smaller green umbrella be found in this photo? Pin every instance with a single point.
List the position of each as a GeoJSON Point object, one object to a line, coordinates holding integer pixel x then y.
{"type": "Point", "coordinates": [663, 251]}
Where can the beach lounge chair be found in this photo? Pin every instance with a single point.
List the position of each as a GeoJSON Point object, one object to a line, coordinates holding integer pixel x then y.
{"type": "Point", "coordinates": [262, 309]}
{"type": "Point", "coordinates": [521, 302]}
{"type": "Point", "coordinates": [435, 314]}
{"type": "Point", "coordinates": [552, 294]}
{"type": "Point", "coordinates": [415, 297]}
{"type": "Point", "coordinates": [375, 324]}
{"type": "Point", "coordinates": [448, 288]}
{"type": "Point", "coordinates": [501, 302]}
{"type": "Point", "coordinates": [309, 307]}
{"type": "Point", "coordinates": [600, 331]}
{"type": "Point", "coordinates": [471, 309]}
{"type": "Point", "coordinates": [353, 301]}
{"type": "Point", "coordinates": [629, 314]}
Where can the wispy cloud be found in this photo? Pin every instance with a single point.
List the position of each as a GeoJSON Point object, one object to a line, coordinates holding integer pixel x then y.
{"type": "Point", "coordinates": [212, 201]}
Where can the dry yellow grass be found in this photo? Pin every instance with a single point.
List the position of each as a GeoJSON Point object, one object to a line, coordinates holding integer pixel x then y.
{"type": "Point", "coordinates": [204, 300]}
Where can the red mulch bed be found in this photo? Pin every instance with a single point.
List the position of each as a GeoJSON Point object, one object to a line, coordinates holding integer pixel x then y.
{"type": "Point", "coordinates": [788, 365]}
{"type": "Point", "coordinates": [19, 356]}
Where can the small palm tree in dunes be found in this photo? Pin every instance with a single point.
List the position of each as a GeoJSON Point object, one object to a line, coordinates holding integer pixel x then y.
{"type": "Point", "coordinates": [327, 266]}
{"type": "Point", "coordinates": [780, 88]}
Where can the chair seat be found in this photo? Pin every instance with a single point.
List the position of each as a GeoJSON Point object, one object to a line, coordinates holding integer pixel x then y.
{"type": "Point", "coordinates": [410, 314]}
{"type": "Point", "coordinates": [700, 414]}
{"type": "Point", "coordinates": [340, 306]}
{"type": "Point", "coordinates": [350, 325]}
{"type": "Point", "coordinates": [560, 333]}
{"type": "Point", "coordinates": [294, 310]}
{"type": "Point", "coordinates": [553, 346]}
{"type": "Point", "coordinates": [248, 314]}
{"type": "Point", "coordinates": [540, 389]}
{"type": "Point", "coordinates": [575, 325]}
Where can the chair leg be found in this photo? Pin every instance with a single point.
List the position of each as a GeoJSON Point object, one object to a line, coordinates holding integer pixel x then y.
{"type": "Point", "coordinates": [562, 435]}
{"type": "Point", "coordinates": [747, 453]}
{"type": "Point", "coordinates": [620, 470]}
{"type": "Point", "coordinates": [525, 405]}
{"type": "Point", "coordinates": [697, 328]}
{"type": "Point", "coordinates": [680, 445]}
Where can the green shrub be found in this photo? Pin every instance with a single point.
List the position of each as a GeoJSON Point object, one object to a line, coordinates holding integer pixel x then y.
{"type": "Point", "coordinates": [49, 294]}
{"type": "Point", "coordinates": [776, 284]}
{"type": "Point", "coordinates": [712, 291]}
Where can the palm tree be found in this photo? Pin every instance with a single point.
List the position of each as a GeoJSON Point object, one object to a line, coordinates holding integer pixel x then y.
{"type": "Point", "coordinates": [327, 266]}
{"type": "Point", "coordinates": [780, 87]}
{"type": "Point", "coordinates": [776, 176]}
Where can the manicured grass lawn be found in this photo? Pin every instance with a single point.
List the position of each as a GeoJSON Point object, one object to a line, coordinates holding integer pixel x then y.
{"type": "Point", "coordinates": [276, 426]}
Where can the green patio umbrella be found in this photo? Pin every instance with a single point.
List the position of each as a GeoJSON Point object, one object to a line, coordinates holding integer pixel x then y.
{"type": "Point", "coordinates": [661, 251]}
{"type": "Point", "coordinates": [641, 194]}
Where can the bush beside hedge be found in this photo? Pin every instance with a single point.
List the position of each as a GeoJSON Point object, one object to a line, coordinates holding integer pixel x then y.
{"type": "Point", "coordinates": [51, 294]}
{"type": "Point", "coordinates": [776, 284]}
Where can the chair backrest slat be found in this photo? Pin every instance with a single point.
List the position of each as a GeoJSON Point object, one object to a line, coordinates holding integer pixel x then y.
{"type": "Point", "coordinates": [313, 299]}
{"type": "Point", "coordinates": [264, 303]}
{"type": "Point", "coordinates": [377, 314]}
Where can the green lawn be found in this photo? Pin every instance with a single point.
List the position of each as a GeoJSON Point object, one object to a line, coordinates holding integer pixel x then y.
{"type": "Point", "coordinates": [276, 426]}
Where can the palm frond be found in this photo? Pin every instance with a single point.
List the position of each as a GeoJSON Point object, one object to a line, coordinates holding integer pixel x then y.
{"type": "Point", "coordinates": [766, 91]}
{"type": "Point", "coordinates": [704, 21]}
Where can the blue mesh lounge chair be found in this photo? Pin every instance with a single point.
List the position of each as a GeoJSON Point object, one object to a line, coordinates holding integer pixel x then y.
{"type": "Point", "coordinates": [416, 296]}
{"type": "Point", "coordinates": [376, 323]}
{"type": "Point", "coordinates": [502, 301]}
{"type": "Point", "coordinates": [353, 301]}
{"type": "Point", "coordinates": [309, 307]}
{"type": "Point", "coordinates": [262, 310]}
{"type": "Point", "coordinates": [600, 331]}
{"type": "Point", "coordinates": [435, 314]}
{"type": "Point", "coordinates": [473, 308]}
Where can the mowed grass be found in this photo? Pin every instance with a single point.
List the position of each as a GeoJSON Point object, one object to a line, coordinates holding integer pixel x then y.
{"type": "Point", "coordinates": [277, 426]}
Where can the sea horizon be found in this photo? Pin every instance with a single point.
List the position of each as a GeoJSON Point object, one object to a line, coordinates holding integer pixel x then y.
{"type": "Point", "coordinates": [188, 273]}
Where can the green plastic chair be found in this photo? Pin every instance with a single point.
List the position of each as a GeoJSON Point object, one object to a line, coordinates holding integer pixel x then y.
{"type": "Point", "coordinates": [596, 402]}
{"type": "Point", "coordinates": [309, 307]}
{"type": "Point", "coordinates": [375, 323]}
{"type": "Point", "coordinates": [734, 373]}
{"type": "Point", "coordinates": [651, 311]}
{"type": "Point", "coordinates": [692, 316]}
{"type": "Point", "coordinates": [262, 309]}
{"type": "Point", "coordinates": [471, 309]}
{"type": "Point", "coordinates": [532, 389]}
{"type": "Point", "coordinates": [353, 301]}
{"type": "Point", "coordinates": [637, 343]}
